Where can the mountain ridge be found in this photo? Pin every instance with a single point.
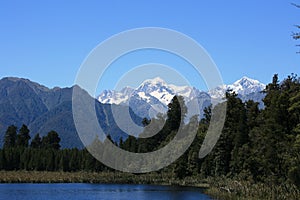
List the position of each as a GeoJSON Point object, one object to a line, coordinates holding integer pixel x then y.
{"type": "Point", "coordinates": [42, 110]}
{"type": "Point", "coordinates": [153, 95]}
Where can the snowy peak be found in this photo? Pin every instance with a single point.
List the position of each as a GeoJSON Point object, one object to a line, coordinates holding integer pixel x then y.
{"type": "Point", "coordinates": [154, 81]}
{"type": "Point", "coordinates": [246, 82]}
{"type": "Point", "coordinates": [112, 97]}
{"type": "Point", "coordinates": [151, 85]}
{"type": "Point", "coordinates": [246, 86]}
{"type": "Point", "coordinates": [152, 96]}
{"type": "Point", "coordinates": [155, 94]}
{"type": "Point", "coordinates": [243, 86]}
{"type": "Point", "coordinates": [155, 89]}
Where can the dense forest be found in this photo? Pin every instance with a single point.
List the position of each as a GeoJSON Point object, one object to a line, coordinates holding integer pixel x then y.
{"type": "Point", "coordinates": [42, 154]}
{"type": "Point", "coordinates": [257, 145]}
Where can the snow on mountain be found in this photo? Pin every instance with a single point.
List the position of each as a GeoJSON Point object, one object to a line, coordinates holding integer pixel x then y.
{"type": "Point", "coordinates": [151, 88]}
{"type": "Point", "coordinates": [153, 95]}
{"type": "Point", "coordinates": [243, 87]}
{"type": "Point", "coordinates": [246, 86]}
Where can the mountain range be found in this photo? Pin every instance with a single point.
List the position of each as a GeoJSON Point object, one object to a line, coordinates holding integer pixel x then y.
{"type": "Point", "coordinates": [153, 95]}
{"type": "Point", "coordinates": [42, 110]}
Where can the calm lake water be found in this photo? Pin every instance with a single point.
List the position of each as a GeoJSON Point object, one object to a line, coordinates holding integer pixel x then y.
{"type": "Point", "coordinates": [80, 191]}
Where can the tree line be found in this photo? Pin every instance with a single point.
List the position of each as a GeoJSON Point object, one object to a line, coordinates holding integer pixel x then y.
{"type": "Point", "coordinates": [258, 145]}
{"type": "Point", "coordinates": [42, 153]}
{"type": "Point", "coordinates": [21, 139]}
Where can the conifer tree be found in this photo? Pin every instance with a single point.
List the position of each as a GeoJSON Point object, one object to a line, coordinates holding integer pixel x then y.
{"type": "Point", "coordinates": [36, 142]}
{"type": "Point", "coordinates": [51, 141]}
{"type": "Point", "coordinates": [10, 136]}
{"type": "Point", "coordinates": [23, 137]}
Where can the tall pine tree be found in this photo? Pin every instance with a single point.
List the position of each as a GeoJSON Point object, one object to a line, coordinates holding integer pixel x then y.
{"type": "Point", "coordinates": [23, 137]}
{"type": "Point", "coordinates": [10, 137]}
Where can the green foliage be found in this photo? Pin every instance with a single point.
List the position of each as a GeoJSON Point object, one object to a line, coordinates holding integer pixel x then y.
{"type": "Point", "coordinates": [51, 141]}
{"type": "Point", "coordinates": [10, 136]}
{"type": "Point", "coordinates": [176, 113]}
{"type": "Point", "coordinates": [23, 137]}
{"type": "Point", "coordinates": [181, 167]}
{"type": "Point", "coordinates": [36, 142]}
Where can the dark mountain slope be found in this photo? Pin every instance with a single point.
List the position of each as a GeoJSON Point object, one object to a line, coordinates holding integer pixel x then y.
{"type": "Point", "coordinates": [44, 109]}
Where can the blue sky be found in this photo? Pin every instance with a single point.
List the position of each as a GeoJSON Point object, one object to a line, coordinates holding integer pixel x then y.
{"type": "Point", "coordinates": [46, 41]}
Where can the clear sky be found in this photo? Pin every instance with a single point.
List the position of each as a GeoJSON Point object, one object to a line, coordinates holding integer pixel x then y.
{"type": "Point", "coordinates": [46, 41]}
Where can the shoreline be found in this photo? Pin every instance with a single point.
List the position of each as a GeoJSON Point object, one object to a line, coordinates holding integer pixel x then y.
{"type": "Point", "coordinates": [46, 177]}
{"type": "Point", "coordinates": [216, 188]}
{"type": "Point", "coordinates": [98, 177]}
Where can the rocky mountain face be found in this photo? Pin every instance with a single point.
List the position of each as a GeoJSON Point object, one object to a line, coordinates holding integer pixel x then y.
{"type": "Point", "coordinates": [43, 109]}
{"type": "Point", "coordinates": [153, 95]}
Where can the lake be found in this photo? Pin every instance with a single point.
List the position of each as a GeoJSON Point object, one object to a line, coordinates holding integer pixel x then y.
{"type": "Point", "coordinates": [76, 191]}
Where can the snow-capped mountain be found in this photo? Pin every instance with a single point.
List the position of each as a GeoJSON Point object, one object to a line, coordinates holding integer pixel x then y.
{"type": "Point", "coordinates": [153, 95]}
{"type": "Point", "coordinates": [115, 97]}
{"type": "Point", "coordinates": [151, 88]}
{"type": "Point", "coordinates": [242, 87]}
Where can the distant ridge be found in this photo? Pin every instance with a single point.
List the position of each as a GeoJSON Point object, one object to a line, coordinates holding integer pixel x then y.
{"type": "Point", "coordinates": [153, 95]}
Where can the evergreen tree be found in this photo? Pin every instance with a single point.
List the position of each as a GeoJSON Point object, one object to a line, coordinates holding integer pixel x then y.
{"type": "Point", "coordinates": [50, 162]}
{"type": "Point", "coordinates": [2, 160]}
{"type": "Point", "coordinates": [176, 113]}
{"type": "Point", "coordinates": [10, 137]}
{"type": "Point", "coordinates": [51, 141]}
{"type": "Point", "coordinates": [74, 160]}
{"type": "Point", "coordinates": [23, 137]}
{"type": "Point", "coordinates": [36, 142]}
{"type": "Point", "coordinates": [231, 139]}
{"type": "Point", "coordinates": [64, 160]}
{"type": "Point", "coordinates": [252, 112]}
{"type": "Point", "coordinates": [181, 167]}
{"type": "Point", "coordinates": [294, 167]}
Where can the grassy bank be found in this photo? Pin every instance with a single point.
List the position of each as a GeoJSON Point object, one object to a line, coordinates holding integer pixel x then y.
{"type": "Point", "coordinates": [228, 189]}
{"type": "Point", "coordinates": [93, 177]}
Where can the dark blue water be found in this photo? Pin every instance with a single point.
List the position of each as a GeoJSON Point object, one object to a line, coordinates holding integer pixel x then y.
{"type": "Point", "coordinates": [76, 191]}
